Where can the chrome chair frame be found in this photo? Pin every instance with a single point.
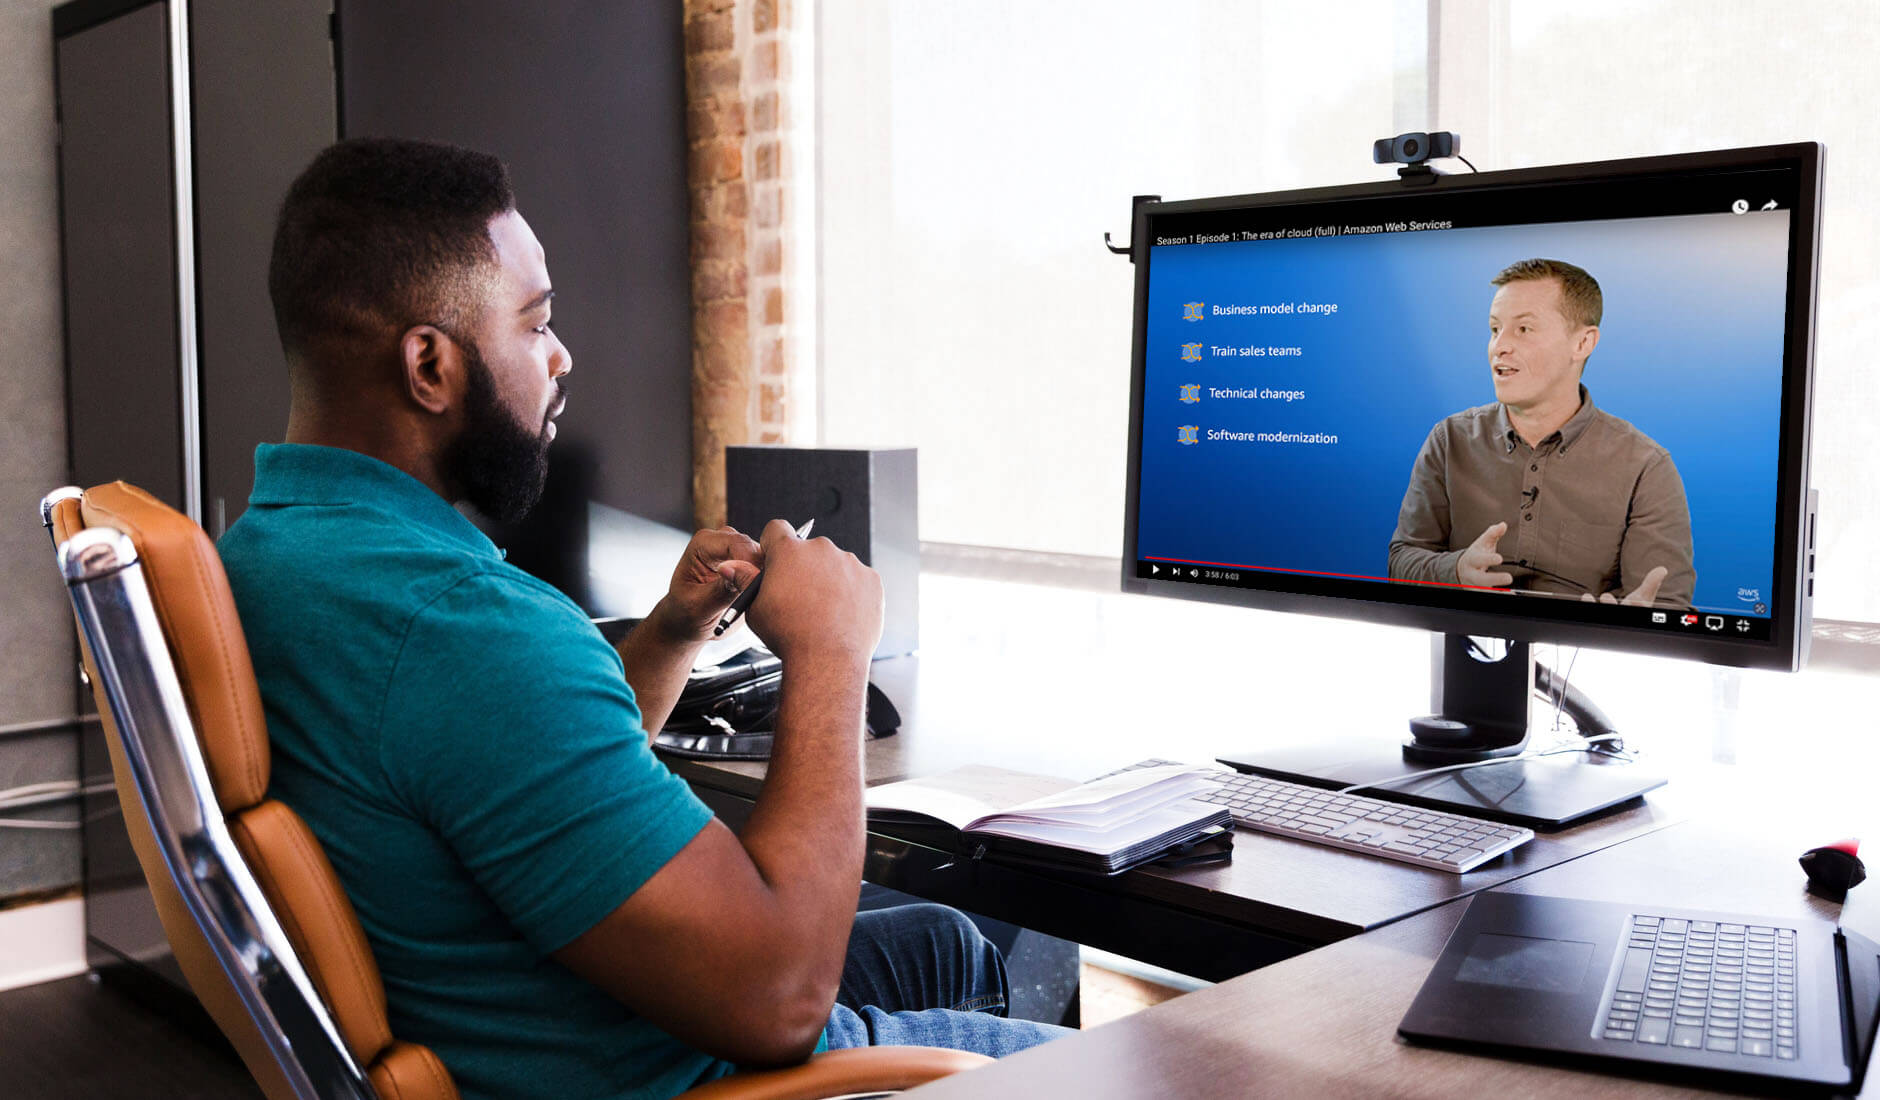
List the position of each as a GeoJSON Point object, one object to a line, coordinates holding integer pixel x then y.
{"type": "Point", "coordinates": [138, 679]}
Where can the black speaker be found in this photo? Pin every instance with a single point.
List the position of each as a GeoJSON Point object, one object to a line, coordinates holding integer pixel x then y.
{"type": "Point", "coordinates": [862, 500]}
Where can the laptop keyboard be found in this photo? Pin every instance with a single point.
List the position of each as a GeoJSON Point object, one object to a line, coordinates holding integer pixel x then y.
{"type": "Point", "coordinates": [1704, 985]}
{"type": "Point", "coordinates": [1388, 830]}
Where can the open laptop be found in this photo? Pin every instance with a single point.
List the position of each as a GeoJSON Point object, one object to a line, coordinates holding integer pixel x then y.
{"type": "Point", "coordinates": [1720, 998]}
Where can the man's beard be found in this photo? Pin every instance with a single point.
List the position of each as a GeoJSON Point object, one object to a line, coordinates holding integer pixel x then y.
{"type": "Point", "coordinates": [498, 463]}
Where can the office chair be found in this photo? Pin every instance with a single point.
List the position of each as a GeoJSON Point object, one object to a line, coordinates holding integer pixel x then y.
{"type": "Point", "coordinates": [257, 918]}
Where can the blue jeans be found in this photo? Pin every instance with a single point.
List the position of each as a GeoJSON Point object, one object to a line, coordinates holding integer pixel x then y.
{"type": "Point", "coordinates": [922, 975]}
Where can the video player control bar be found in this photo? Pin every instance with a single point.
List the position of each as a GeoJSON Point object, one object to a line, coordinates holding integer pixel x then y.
{"type": "Point", "coordinates": [1700, 621]}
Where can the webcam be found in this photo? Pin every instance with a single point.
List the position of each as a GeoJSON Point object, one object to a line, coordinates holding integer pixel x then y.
{"type": "Point", "coordinates": [1415, 147]}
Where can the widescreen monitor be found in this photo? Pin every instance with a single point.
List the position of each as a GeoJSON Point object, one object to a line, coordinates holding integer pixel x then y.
{"type": "Point", "coordinates": [1598, 375]}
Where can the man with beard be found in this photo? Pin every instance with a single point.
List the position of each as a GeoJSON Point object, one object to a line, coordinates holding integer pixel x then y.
{"type": "Point", "coordinates": [554, 913]}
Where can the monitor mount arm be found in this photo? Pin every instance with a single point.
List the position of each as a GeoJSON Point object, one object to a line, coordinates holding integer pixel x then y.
{"type": "Point", "coordinates": [1587, 717]}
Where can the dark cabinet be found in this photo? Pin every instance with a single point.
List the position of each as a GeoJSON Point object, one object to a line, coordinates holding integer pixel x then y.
{"type": "Point", "coordinates": [181, 123]}
{"type": "Point", "coordinates": [119, 230]}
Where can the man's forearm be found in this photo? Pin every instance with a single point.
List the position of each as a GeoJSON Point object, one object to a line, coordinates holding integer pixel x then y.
{"type": "Point", "coordinates": [805, 834]}
{"type": "Point", "coordinates": [808, 816]}
{"type": "Point", "coordinates": [1419, 547]}
{"type": "Point", "coordinates": [736, 946]}
{"type": "Point", "coordinates": [656, 662]}
{"type": "Point", "coordinates": [1409, 562]}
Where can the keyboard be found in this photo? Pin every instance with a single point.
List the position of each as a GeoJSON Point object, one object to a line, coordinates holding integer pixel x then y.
{"type": "Point", "coordinates": [1388, 830]}
{"type": "Point", "coordinates": [1702, 985]}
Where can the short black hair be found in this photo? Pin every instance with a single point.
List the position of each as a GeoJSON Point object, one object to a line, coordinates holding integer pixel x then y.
{"type": "Point", "coordinates": [382, 233]}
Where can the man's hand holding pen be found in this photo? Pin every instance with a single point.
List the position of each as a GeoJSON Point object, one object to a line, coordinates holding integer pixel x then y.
{"type": "Point", "coordinates": [715, 567]}
{"type": "Point", "coordinates": [741, 601]}
{"type": "Point", "coordinates": [806, 596]}
{"type": "Point", "coordinates": [818, 600]}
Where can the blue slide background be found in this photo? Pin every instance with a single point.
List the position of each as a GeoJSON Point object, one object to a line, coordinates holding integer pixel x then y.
{"type": "Point", "coordinates": [1690, 352]}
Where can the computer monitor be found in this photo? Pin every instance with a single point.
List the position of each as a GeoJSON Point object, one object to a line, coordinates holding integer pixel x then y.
{"type": "Point", "coordinates": [1361, 401]}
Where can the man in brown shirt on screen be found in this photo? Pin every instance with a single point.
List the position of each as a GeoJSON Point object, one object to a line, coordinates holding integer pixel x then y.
{"type": "Point", "coordinates": [1540, 491]}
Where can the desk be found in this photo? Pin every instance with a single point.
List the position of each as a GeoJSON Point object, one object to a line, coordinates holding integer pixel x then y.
{"type": "Point", "coordinates": [1276, 899]}
{"type": "Point", "coordinates": [1324, 1024]}
{"type": "Point", "coordinates": [1076, 684]}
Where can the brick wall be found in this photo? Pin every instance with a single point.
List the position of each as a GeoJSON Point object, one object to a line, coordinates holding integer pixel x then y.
{"type": "Point", "coordinates": [737, 121]}
{"type": "Point", "coordinates": [770, 152]}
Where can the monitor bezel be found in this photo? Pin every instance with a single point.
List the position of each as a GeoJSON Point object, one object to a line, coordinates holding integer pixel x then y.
{"type": "Point", "coordinates": [1790, 614]}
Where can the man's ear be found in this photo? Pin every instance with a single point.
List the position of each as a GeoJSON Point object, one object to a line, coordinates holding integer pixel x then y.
{"type": "Point", "coordinates": [433, 368]}
{"type": "Point", "coordinates": [1589, 339]}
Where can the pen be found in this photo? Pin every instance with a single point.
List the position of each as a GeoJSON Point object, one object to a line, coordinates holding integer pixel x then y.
{"type": "Point", "coordinates": [742, 602]}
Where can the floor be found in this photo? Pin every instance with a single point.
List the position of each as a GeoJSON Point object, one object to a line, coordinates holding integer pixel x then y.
{"type": "Point", "coordinates": [52, 1036]}
{"type": "Point", "coordinates": [1107, 995]}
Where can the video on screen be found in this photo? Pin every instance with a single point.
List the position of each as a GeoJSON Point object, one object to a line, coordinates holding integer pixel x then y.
{"type": "Point", "coordinates": [1584, 410]}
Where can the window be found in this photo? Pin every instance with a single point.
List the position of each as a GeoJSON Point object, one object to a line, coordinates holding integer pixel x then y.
{"type": "Point", "coordinates": [1599, 79]}
{"type": "Point", "coordinates": [970, 156]}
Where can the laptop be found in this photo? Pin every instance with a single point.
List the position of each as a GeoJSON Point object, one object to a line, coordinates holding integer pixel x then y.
{"type": "Point", "coordinates": [1726, 999]}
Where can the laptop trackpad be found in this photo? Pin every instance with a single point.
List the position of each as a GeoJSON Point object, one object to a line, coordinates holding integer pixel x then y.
{"type": "Point", "coordinates": [1526, 962]}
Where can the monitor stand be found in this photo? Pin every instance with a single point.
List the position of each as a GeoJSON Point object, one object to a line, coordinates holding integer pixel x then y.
{"type": "Point", "coordinates": [1480, 689]}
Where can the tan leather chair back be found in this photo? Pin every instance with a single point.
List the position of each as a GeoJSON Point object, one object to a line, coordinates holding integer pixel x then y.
{"type": "Point", "coordinates": [272, 847]}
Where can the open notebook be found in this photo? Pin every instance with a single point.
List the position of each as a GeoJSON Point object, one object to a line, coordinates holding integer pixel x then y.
{"type": "Point", "coordinates": [1106, 825]}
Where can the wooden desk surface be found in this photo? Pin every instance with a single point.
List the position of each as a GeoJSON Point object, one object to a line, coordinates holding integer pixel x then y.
{"type": "Point", "coordinates": [1324, 1023]}
{"type": "Point", "coordinates": [1293, 894]}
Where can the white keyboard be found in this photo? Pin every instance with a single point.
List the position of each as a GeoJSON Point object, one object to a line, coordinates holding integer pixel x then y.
{"type": "Point", "coordinates": [1388, 830]}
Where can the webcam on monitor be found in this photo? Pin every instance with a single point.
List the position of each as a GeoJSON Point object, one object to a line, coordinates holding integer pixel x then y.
{"type": "Point", "coordinates": [1415, 147]}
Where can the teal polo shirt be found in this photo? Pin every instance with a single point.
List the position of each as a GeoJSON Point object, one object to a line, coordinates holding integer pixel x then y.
{"type": "Point", "coordinates": [465, 745]}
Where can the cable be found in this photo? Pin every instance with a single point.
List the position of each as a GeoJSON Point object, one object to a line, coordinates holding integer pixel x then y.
{"type": "Point", "coordinates": [1523, 563]}
{"type": "Point", "coordinates": [1391, 781]}
{"type": "Point", "coordinates": [1544, 692]}
{"type": "Point", "coordinates": [23, 823]}
{"type": "Point", "coordinates": [54, 786]}
{"type": "Point", "coordinates": [1587, 718]}
{"type": "Point", "coordinates": [40, 794]}
{"type": "Point", "coordinates": [1465, 160]}
{"type": "Point", "coordinates": [1596, 733]}
{"type": "Point", "coordinates": [44, 794]}
{"type": "Point", "coordinates": [1560, 695]}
